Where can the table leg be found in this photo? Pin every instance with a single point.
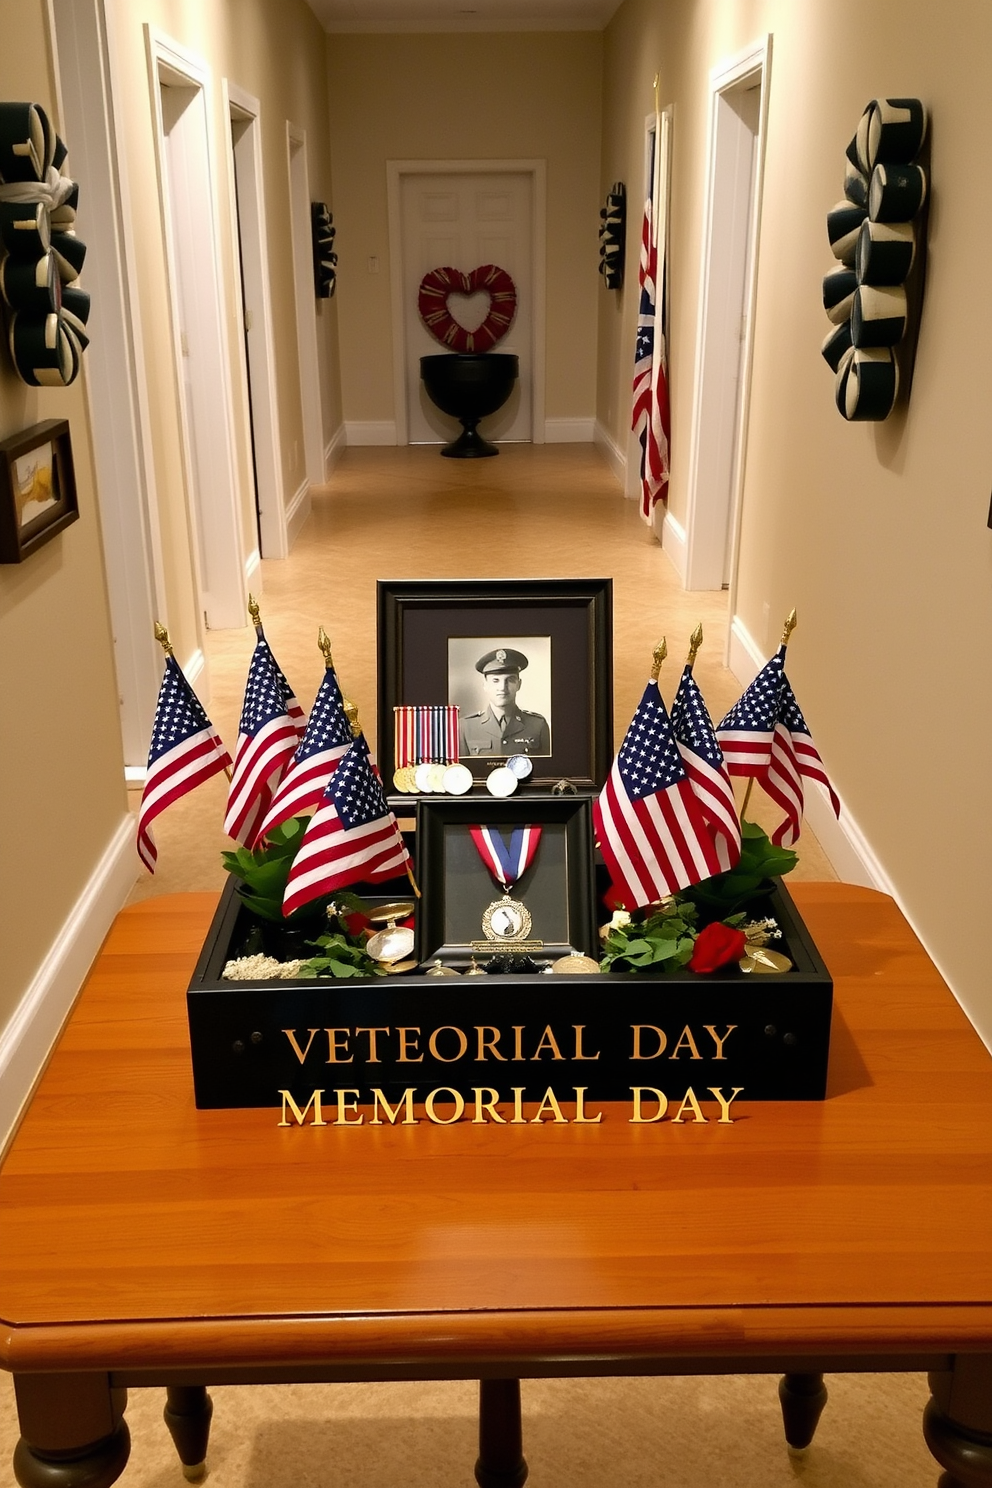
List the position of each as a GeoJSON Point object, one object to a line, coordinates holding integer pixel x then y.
{"type": "Point", "coordinates": [957, 1422]}
{"type": "Point", "coordinates": [187, 1413]}
{"type": "Point", "coordinates": [73, 1432]}
{"type": "Point", "coordinates": [501, 1461]}
{"type": "Point", "coordinates": [803, 1397]}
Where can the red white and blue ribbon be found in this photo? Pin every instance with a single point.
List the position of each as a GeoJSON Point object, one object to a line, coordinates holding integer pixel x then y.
{"type": "Point", "coordinates": [507, 863]}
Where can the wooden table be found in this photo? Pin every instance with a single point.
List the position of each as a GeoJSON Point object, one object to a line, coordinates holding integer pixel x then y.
{"type": "Point", "coordinates": [144, 1242]}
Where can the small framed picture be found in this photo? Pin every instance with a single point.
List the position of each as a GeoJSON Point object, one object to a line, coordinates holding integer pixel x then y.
{"type": "Point", "coordinates": [37, 489]}
{"type": "Point", "coordinates": [528, 663]}
{"type": "Point", "coordinates": [542, 846]}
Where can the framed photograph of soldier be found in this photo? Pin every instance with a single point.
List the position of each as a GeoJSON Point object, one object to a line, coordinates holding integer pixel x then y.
{"type": "Point", "coordinates": [504, 876]}
{"type": "Point", "coordinates": [527, 662]}
{"type": "Point", "coordinates": [37, 489]}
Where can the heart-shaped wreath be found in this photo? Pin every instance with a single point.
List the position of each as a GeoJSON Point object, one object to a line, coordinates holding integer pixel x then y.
{"type": "Point", "coordinates": [437, 287]}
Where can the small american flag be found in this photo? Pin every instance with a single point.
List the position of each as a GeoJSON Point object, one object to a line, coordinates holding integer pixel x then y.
{"type": "Point", "coordinates": [328, 737]}
{"type": "Point", "coordinates": [353, 835]}
{"type": "Point", "coordinates": [649, 823]}
{"type": "Point", "coordinates": [271, 725]}
{"type": "Point", "coordinates": [703, 760]}
{"type": "Point", "coordinates": [651, 419]}
{"type": "Point", "coordinates": [765, 735]}
{"type": "Point", "coordinates": [185, 750]}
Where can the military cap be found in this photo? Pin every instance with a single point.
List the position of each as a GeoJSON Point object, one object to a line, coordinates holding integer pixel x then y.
{"type": "Point", "coordinates": [501, 660]}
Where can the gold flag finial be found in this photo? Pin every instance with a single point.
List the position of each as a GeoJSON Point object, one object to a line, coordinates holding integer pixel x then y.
{"type": "Point", "coordinates": [660, 652]}
{"type": "Point", "coordinates": [162, 636]}
{"type": "Point", "coordinates": [351, 711]}
{"type": "Point", "coordinates": [324, 642]}
{"type": "Point", "coordinates": [695, 641]}
{"type": "Point", "coordinates": [254, 612]}
{"type": "Point", "coordinates": [790, 624]}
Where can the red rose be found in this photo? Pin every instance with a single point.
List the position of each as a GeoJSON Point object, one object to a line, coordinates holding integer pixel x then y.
{"type": "Point", "coordinates": [717, 945]}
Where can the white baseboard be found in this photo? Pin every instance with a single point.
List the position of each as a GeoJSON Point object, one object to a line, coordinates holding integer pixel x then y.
{"type": "Point", "coordinates": [297, 511]}
{"type": "Point", "coordinates": [610, 450]}
{"type": "Point", "coordinates": [673, 541]}
{"type": "Point", "coordinates": [569, 431]}
{"type": "Point", "coordinates": [333, 451]}
{"type": "Point", "coordinates": [253, 571]}
{"type": "Point", "coordinates": [845, 844]}
{"type": "Point", "coordinates": [369, 431]}
{"type": "Point", "coordinates": [28, 1038]}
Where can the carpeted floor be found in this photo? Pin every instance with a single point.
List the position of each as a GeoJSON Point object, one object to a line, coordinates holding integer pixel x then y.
{"type": "Point", "coordinates": [534, 511]}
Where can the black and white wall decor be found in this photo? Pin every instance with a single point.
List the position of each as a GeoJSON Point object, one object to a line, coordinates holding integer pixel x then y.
{"type": "Point", "coordinates": [325, 260]}
{"type": "Point", "coordinates": [878, 234]}
{"type": "Point", "coordinates": [42, 257]}
{"type": "Point", "coordinates": [613, 235]}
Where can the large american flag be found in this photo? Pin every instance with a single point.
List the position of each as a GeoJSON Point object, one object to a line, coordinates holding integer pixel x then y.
{"type": "Point", "coordinates": [649, 823]}
{"type": "Point", "coordinates": [271, 725]}
{"type": "Point", "coordinates": [651, 420]}
{"type": "Point", "coordinates": [765, 735]}
{"type": "Point", "coordinates": [703, 760]}
{"type": "Point", "coordinates": [185, 750]}
{"type": "Point", "coordinates": [328, 737]}
{"type": "Point", "coordinates": [352, 837]}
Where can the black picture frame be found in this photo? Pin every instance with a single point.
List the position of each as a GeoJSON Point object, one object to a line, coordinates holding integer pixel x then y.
{"type": "Point", "coordinates": [558, 888]}
{"type": "Point", "coordinates": [416, 619]}
{"type": "Point", "coordinates": [19, 538]}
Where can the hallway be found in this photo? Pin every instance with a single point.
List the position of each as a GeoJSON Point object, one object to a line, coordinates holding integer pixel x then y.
{"type": "Point", "coordinates": [535, 511]}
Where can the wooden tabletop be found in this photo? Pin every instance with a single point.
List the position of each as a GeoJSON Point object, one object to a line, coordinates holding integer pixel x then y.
{"type": "Point", "coordinates": [137, 1230]}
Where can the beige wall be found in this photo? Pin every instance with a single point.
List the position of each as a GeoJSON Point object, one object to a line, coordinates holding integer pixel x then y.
{"type": "Point", "coordinates": [876, 532]}
{"type": "Point", "coordinates": [61, 779]}
{"type": "Point", "coordinates": [423, 97]}
{"type": "Point", "coordinates": [273, 49]}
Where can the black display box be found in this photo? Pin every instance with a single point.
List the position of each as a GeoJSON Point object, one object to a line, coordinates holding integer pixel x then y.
{"type": "Point", "coordinates": [562, 1032]}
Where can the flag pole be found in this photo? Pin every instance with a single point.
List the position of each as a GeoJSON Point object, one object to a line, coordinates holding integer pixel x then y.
{"type": "Point", "coordinates": [695, 641]}
{"type": "Point", "coordinates": [324, 642]}
{"type": "Point", "coordinates": [660, 652]}
{"type": "Point", "coordinates": [255, 614]}
{"type": "Point", "coordinates": [162, 636]}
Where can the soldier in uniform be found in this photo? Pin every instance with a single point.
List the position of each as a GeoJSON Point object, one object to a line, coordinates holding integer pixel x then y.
{"type": "Point", "coordinates": [502, 728]}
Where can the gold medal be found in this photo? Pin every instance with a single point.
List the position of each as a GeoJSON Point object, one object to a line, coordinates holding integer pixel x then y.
{"type": "Point", "coordinates": [506, 919]}
{"type": "Point", "coordinates": [575, 964]}
{"type": "Point", "coordinates": [399, 780]}
{"type": "Point", "coordinates": [761, 959]}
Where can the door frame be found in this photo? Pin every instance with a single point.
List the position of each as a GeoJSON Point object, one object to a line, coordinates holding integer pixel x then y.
{"type": "Point", "coordinates": [537, 170]}
{"type": "Point", "coordinates": [306, 319]}
{"type": "Point", "coordinates": [259, 393]}
{"type": "Point", "coordinates": [216, 521]}
{"type": "Point", "coordinates": [720, 419]}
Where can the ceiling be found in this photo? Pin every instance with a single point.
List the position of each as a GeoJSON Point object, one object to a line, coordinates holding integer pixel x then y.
{"type": "Point", "coordinates": [463, 15]}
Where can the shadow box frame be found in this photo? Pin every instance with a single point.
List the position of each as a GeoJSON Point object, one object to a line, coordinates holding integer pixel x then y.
{"type": "Point", "coordinates": [19, 542]}
{"type": "Point", "coordinates": [416, 618]}
{"type": "Point", "coordinates": [571, 878]}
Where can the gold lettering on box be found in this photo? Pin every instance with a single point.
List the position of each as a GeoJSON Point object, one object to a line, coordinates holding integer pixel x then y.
{"type": "Point", "coordinates": [518, 1118]}
{"type": "Point", "coordinates": [287, 1100]}
{"type": "Point", "coordinates": [462, 1044]}
{"type": "Point", "coordinates": [549, 1102]}
{"type": "Point", "coordinates": [547, 1041]}
{"type": "Point", "coordinates": [581, 1119]}
{"type": "Point", "coordinates": [444, 1092]}
{"type": "Point", "coordinates": [301, 1054]}
{"type": "Point", "coordinates": [380, 1103]}
{"type": "Point", "coordinates": [580, 1029]}
{"type": "Point", "coordinates": [639, 1092]}
{"type": "Point", "coordinates": [518, 1034]}
{"type": "Point", "coordinates": [405, 1057]}
{"type": "Point", "coordinates": [373, 1051]}
{"type": "Point", "coordinates": [686, 1041]}
{"type": "Point", "coordinates": [334, 1035]}
{"type": "Point", "coordinates": [689, 1102]}
{"type": "Point", "coordinates": [488, 1045]}
{"type": "Point", "coordinates": [637, 1029]}
{"type": "Point", "coordinates": [485, 1100]}
{"type": "Point", "coordinates": [725, 1117]}
{"type": "Point", "coordinates": [345, 1105]}
{"type": "Point", "coordinates": [718, 1040]}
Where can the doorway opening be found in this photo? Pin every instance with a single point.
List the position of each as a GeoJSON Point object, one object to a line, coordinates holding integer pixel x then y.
{"type": "Point", "coordinates": [739, 103]}
{"type": "Point", "coordinates": [306, 325]}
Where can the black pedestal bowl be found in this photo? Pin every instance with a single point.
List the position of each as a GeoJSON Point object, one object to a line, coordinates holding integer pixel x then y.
{"type": "Point", "coordinates": [469, 386]}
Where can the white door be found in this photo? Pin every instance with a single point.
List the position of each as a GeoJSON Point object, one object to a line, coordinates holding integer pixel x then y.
{"type": "Point", "coordinates": [463, 220]}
